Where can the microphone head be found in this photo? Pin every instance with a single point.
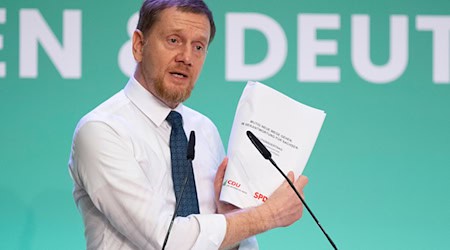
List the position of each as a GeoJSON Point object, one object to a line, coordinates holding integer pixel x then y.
{"type": "Point", "coordinates": [191, 146]}
{"type": "Point", "coordinates": [258, 144]}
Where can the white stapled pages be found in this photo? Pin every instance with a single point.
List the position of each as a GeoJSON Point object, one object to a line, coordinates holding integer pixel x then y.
{"type": "Point", "coordinates": [286, 127]}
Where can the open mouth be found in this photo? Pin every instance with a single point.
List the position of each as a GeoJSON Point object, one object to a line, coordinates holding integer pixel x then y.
{"type": "Point", "coordinates": [178, 75]}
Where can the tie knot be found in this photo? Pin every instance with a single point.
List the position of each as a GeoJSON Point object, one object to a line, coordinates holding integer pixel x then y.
{"type": "Point", "coordinates": [175, 119]}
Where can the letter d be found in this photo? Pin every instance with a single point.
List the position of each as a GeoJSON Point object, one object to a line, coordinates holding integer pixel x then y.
{"type": "Point", "coordinates": [235, 67]}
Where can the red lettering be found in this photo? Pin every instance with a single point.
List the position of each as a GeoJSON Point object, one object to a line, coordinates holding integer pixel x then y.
{"type": "Point", "coordinates": [233, 183]}
{"type": "Point", "coordinates": [260, 196]}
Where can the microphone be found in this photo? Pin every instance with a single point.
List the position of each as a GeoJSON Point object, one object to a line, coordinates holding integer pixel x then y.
{"type": "Point", "coordinates": [190, 155]}
{"type": "Point", "coordinates": [191, 147]}
{"type": "Point", "coordinates": [261, 148]}
{"type": "Point", "coordinates": [268, 156]}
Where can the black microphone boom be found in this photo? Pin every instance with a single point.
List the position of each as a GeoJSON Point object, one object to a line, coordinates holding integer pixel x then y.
{"type": "Point", "coordinates": [191, 146]}
{"type": "Point", "coordinates": [261, 148]}
{"type": "Point", "coordinates": [190, 155]}
{"type": "Point", "coordinates": [267, 155]}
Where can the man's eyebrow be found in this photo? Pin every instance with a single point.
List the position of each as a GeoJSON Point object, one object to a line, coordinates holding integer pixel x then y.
{"type": "Point", "coordinates": [177, 31]}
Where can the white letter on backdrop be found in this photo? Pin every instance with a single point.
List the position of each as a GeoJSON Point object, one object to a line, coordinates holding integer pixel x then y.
{"type": "Point", "coordinates": [440, 26]}
{"type": "Point", "coordinates": [398, 59]}
{"type": "Point", "coordinates": [33, 30]}
{"type": "Point", "coordinates": [2, 21]}
{"type": "Point", "coordinates": [309, 48]}
{"type": "Point", "coordinates": [127, 64]}
{"type": "Point", "coordinates": [235, 67]}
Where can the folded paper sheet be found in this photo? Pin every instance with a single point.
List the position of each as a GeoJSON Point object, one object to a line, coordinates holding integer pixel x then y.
{"type": "Point", "coordinates": [286, 127]}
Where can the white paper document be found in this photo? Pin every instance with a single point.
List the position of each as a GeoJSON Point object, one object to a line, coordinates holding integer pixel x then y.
{"type": "Point", "coordinates": [286, 127]}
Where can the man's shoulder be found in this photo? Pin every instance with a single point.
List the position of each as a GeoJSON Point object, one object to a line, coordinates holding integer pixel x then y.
{"type": "Point", "coordinates": [196, 117]}
{"type": "Point", "coordinates": [202, 125]}
{"type": "Point", "coordinates": [107, 110]}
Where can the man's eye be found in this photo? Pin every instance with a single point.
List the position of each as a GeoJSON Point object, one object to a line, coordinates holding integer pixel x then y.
{"type": "Point", "coordinates": [199, 48]}
{"type": "Point", "coordinates": [173, 40]}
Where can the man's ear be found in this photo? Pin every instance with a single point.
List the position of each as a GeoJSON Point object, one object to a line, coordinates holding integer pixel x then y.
{"type": "Point", "coordinates": [138, 45]}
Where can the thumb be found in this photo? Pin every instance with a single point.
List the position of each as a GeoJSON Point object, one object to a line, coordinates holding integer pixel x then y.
{"type": "Point", "coordinates": [291, 176]}
{"type": "Point", "coordinates": [219, 176]}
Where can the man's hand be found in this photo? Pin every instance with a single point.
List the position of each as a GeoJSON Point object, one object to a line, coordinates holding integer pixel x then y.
{"type": "Point", "coordinates": [283, 205]}
{"type": "Point", "coordinates": [282, 209]}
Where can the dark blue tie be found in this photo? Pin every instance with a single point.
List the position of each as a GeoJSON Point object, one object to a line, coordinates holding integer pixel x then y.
{"type": "Point", "coordinates": [181, 167]}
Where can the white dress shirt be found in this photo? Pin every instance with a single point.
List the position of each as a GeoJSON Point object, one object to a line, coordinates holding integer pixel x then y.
{"type": "Point", "coordinates": [121, 168]}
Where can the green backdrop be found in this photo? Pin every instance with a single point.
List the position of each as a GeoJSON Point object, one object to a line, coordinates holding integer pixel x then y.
{"type": "Point", "coordinates": [379, 174]}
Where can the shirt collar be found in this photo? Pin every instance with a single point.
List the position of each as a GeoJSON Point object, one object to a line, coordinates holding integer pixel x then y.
{"type": "Point", "coordinates": [145, 101]}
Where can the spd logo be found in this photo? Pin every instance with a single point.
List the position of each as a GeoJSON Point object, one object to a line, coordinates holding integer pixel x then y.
{"type": "Point", "coordinates": [260, 196]}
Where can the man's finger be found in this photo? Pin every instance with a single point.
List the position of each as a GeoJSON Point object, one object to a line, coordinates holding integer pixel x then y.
{"type": "Point", "coordinates": [302, 181]}
{"type": "Point", "coordinates": [220, 175]}
{"type": "Point", "coordinates": [290, 176]}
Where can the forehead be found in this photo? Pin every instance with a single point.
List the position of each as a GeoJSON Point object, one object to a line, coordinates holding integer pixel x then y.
{"type": "Point", "coordinates": [174, 20]}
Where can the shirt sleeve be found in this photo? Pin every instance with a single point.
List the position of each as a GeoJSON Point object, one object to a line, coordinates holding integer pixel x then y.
{"type": "Point", "coordinates": [249, 244]}
{"type": "Point", "coordinates": [103, 164]}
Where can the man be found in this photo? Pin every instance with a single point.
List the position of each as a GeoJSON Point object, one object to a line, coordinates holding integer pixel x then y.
{"type": "Point", "coordinates": [121, 159]}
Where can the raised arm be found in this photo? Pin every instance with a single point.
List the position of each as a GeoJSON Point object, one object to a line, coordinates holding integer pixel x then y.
{"type": "Point", "coordinates": [282, 209]}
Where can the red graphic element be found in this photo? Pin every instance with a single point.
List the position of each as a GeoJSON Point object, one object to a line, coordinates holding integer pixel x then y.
{"type": "Point", "coordinates": [260, 196]}
{"type": "Point", "coordinates": [233, 183]}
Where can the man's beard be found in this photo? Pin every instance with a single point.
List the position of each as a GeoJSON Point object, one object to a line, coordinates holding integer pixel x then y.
{"type": "Point", "coordinates": [172, 95]}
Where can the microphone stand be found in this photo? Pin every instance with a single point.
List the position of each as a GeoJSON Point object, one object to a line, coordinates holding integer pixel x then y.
{"type": "Point", "coordinates": [175, 213]}
{"type": "Point", "coordinates": [190, 157]}
{"type": "Point", "coordinates": [267, 155]}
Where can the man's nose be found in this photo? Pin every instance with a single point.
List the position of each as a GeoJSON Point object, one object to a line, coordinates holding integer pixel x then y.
{"type": "Point", "coordinates": [185, 55]}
